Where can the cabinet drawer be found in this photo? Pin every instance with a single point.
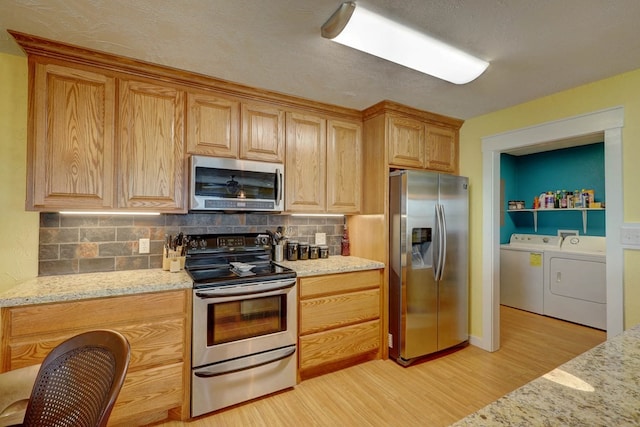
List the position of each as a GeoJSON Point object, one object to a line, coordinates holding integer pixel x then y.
{"type": "Point", "coordinates": [333, 311]}
{"type": "Point", "coordinates": [93, 314]}
{"type": "Point", "coordinates": [335, 283]}
{"type": "Point", "coordinates": [152, 344]}
{"type": "Point", "coordinates": [147, 391]}
{"type": "Point", "coordinates": [339, 344]}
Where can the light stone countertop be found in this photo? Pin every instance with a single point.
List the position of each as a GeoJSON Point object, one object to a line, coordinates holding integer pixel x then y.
{"type": "Point", "coordinates": [331, 265]}
{"type": "Point", "coordinates": [72, 287]}
{"type": "Point", "coordinates": [602, 389]}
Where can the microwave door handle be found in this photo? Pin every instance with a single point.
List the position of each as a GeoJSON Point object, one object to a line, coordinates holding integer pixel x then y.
{"type": "Point", "coordinates": [279, 186]}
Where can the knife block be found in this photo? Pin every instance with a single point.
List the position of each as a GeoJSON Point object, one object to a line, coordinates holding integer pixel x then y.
{"type": "Point", "coordinates": [172, 261]}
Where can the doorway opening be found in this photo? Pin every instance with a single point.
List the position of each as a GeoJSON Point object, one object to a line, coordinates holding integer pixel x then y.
{"type": "Point", "coordinates": [607, 123]}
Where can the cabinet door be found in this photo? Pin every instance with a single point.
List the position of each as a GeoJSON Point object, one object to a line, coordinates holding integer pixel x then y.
{"type": "Point", "coordinates": [442, 149]}
{"type": "Point", "coordinates": [152, 160]}
{"type": "Point", "coordinates": [306, 163]}
{"type": "Point", "coordinates": [262, 133]}
{"type": "Point", "coordinates": [344, 166]}
{"type": "Point", "coordinates": [155, 324]}
{"type": "Point", "coordinates": [71, 151]}
{"type": "Point", "coordinates": [406, 142]}
{"type": "Point", "coordinates": [213, 125]}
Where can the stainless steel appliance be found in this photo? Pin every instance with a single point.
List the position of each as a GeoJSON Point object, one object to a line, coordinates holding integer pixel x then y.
{"type": "Point", "coordinates": [428, 263]}
{"type": "Point", "coordinates": [244, 330]}
{"type": "Point", "coordinates": [235, 185]}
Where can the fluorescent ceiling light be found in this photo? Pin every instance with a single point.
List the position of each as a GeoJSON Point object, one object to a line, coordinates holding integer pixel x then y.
{"type": "Point", "coordinates": [364, 30]}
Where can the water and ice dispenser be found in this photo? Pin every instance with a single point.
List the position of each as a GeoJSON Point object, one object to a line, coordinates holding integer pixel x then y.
{"type": "Point", "coordinates": [421, 248]}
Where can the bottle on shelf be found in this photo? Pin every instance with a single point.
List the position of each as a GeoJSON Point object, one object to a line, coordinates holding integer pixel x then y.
{"type": "Point", "coordinates": [345, 250]}
{"type": "Point", "coordinates": [563, 199]}
{"type": "Point", "coordinates": [585, 198]}
{"type": "Point", "coordinates": [577, 199]}
{"type": "Point", "coordinates": [550, 200]}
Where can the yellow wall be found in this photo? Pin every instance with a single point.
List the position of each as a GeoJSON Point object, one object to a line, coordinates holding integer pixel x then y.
{"type": "Point", "coordinates": [18, 228]}
{"type": "Point", "coordinates": [622, 90]}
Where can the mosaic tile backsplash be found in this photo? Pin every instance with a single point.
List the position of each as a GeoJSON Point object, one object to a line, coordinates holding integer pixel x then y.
{"type": "Point", "coordinates": [91, 243]}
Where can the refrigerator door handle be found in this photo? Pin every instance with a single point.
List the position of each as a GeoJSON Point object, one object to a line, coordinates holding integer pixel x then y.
{"type": "Point", "coordinates": [443, 240]}
{"type": "Point", "coordinates": [437, 252]}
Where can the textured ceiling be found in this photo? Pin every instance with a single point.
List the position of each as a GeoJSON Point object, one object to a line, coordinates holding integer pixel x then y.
{"type": "Point", "coordinates": [536, 47]}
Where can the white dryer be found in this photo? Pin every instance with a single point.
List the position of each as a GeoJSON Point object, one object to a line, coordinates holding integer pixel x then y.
{"type": "Point", "coordinates": [522, 270]}
{"type": "Point", "coordinates": [575, 284]}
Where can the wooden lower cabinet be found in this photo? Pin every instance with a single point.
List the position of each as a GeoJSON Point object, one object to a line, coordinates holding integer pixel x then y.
{"type": "Point", "coordinates": [155, 325]}
{"type": "Point", "coordinates": [339, 321]}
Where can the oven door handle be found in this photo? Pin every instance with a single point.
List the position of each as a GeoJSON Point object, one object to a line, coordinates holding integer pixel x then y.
{"type": "Point", "coordinates": [241, 290]}
{"type": "Point", "coordinates": [245, 363]}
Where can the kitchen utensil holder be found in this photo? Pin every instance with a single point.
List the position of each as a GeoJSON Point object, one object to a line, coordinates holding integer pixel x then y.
{"type": "Point", "coordinates": [172, 261]}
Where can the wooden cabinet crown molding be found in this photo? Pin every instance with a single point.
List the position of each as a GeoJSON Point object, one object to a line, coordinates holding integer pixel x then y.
{"type": "Point", "coordinates": [390, 107]}
{"type": "Point", "coordinates": [38, 46]}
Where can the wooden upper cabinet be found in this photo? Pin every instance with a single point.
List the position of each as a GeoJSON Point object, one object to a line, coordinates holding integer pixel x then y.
{"type": "Point", "coordinates": [213, 125]}
{"type": "Point", "coordinates": [107, 132]}
{"type": "Point", "coordinates": [262, 133]}
{"type": "Point", "coordinates": [441, 149]}
{"type": "Point", "coordinates": [71, 139]}
{"type": "Point", "coordinates": [344, 166]}
{"type": "Point", "coordinates": [406, 142]}
{"type": "Point", "coordinates": [152, 156]}
{"type": "Point", "coordinates": [306, 163]}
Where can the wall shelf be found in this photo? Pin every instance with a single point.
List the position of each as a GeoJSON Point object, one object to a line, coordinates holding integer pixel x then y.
{"type": "Point", "coordinates": [535, 214]}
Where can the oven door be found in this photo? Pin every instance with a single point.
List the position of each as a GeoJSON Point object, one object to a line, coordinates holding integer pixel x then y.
{"type": "Point", "coordinates": [242, 320]}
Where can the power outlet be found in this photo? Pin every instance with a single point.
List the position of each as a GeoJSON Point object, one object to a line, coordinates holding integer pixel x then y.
{"type": "Point", "coordinates": [321, 238]}
{"type": "Point", "coordinates": [143, 246]}
{"type": "Point", "coordinates": [630, 234]}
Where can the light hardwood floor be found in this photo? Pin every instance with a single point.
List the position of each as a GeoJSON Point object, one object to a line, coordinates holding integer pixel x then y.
{"type": "Point", "coordinates": [436, 392]}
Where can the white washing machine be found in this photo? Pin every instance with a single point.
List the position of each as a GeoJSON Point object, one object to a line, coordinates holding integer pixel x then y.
{"type": "Point", "coordinates": [522, 270]}
{"type": "Point", "coordinates": [575, 283]}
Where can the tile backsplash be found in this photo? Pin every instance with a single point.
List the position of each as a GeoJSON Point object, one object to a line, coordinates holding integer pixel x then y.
{"type": "Point", "coordinates": [90, 243]}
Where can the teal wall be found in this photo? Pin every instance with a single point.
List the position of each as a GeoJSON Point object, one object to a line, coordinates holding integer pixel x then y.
{"type": "Point", "coordinates": [525, 177]}
{"type": "Point", "coordinates": [509, 182]}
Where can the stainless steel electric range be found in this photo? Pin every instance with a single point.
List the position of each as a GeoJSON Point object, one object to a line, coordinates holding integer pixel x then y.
{"type": "Point", "coordinates": [244, 330]}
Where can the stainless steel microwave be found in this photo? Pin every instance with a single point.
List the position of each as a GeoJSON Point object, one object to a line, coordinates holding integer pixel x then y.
{"type": "Point", "coordinates": [218, 184]}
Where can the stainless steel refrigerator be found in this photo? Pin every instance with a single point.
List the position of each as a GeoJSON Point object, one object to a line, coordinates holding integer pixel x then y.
{"type": "Point", "coordinates": [429, 263]}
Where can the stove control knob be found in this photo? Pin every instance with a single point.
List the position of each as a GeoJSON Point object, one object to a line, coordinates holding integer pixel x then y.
{"type": "Point", "coordinates": [262, 240]}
